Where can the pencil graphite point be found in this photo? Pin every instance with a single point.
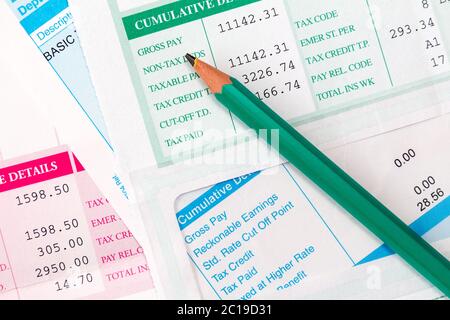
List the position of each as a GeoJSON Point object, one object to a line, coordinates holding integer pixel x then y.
{"type": "Point", "coordinates": [191, 59]}
{"type": "Point", "coordinates": [214, 78]}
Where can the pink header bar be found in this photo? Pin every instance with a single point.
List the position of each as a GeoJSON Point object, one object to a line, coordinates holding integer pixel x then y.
{"type": "Point", "coordinates": [35, 171]}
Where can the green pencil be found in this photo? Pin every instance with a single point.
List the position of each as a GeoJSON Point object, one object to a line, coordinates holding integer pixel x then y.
{"type": "Point", "coordinates": [348, 193]}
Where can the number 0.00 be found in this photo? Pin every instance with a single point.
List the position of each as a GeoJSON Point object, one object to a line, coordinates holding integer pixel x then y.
{"type": "Point", "coordinates": [426, 184]}
{"type": "Point", "coordinates": [406, 157]}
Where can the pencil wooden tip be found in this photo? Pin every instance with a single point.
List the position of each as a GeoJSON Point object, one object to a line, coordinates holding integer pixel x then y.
{"type": "Point", "coordinates": [190, 58]}
{"type": "Point", "coordinates": [214, 78]}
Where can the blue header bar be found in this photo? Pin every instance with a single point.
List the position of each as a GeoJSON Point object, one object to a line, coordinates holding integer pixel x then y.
{"type": "Point", "coordinates": [24, 8]}
{"type": "Point", "coordinates": [211, 198]}
{"type": "Point", "coordinates": [44, 14]}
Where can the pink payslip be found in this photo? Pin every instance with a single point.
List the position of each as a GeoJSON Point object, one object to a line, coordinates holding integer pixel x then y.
{"type": "Point", "coordinates": [59, 237]}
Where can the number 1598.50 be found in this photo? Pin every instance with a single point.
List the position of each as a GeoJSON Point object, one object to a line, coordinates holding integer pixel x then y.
{"type": "Point", "coordinates": [41, 195]}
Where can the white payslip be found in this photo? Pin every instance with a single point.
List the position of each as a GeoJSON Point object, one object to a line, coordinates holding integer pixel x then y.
{"type": "Point", "coordinates": [262, 234]}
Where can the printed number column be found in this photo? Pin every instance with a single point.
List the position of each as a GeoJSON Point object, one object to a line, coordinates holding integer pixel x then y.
{"type": "Point", "coordinates": [247, 43]}
{"type": "Point", "coordinates": [410, 35]}
{"type": "Point", "coordinates": [45, 232]}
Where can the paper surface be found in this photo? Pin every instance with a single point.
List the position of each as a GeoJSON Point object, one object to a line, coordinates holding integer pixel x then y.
{"type": "Point", "coordinates": [384, 279]}
{"type": "Point", "coordinates": [60, 237]}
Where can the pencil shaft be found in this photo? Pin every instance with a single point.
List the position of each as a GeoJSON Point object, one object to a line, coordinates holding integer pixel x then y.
{"type": "Point", "coordinates": [340, 186]}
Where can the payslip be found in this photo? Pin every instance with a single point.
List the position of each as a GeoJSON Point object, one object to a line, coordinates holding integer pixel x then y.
{"type": "Point", "coordinates": [262, 242]}
{"type": "Point", "coordinates": [60, 237]}
{"type": "Point", "coordinates": [344, 67]}
{"type": "Point", "coordinates": [269, 232]}
{"type": "Point", "coordinates": [273, 238]}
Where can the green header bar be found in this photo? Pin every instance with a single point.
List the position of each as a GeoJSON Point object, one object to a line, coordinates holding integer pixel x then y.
{"type": "Point", "coordinates": [175, 14]}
